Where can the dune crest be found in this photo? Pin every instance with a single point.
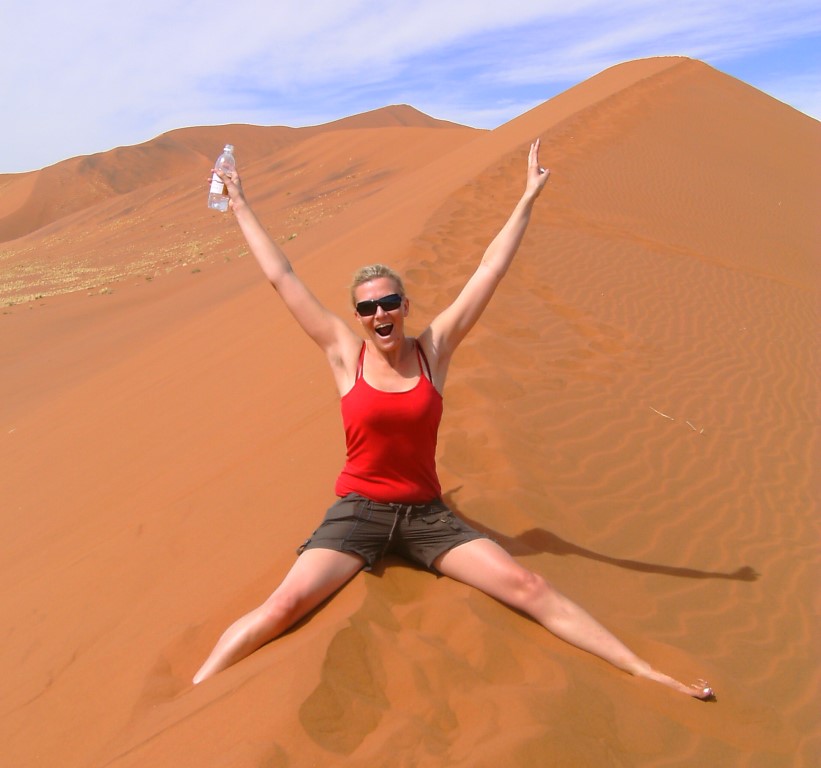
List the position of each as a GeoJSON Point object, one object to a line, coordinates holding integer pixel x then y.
{"type": "Point", "coordinates": [634, 418]}
{"type": "Point", "coordinates": [38, 198]}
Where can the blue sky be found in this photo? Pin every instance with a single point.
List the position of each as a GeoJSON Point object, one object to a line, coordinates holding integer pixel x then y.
{"type": "Point", "coordinates": [87, 76]}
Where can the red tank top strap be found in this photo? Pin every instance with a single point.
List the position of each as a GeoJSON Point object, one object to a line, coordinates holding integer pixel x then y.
{"type": "Point", "coordinates": [424, 365]}
{"type": "Point", "coordinates": [361, 362]}
{"type": "Point", "coordinates": [423, 360]}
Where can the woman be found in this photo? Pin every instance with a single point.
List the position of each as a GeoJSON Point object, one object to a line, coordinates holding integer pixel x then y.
{"type": "Point", "coordinates": [390, 387]}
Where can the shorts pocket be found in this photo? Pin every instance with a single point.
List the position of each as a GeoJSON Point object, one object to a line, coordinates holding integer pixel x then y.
{"type": "Point", "coordinates": [442, 517]}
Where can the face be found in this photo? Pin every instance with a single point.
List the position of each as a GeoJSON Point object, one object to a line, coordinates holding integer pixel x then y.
{"type": "Point", "coordinates": [386, 327]}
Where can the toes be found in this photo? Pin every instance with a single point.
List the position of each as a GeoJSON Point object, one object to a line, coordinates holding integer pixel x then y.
{"type": "Point", "coordinates": [705, 692]}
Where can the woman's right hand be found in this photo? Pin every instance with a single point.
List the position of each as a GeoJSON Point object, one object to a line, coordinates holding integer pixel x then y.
{"type": "Point", "coordinates": [233, 186]}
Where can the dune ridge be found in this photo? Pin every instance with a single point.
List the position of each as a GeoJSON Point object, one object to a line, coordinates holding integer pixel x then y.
{"type": "Point", "coordinates": [37, 198]}
{"type": "Point", "coordinates": [635, 417]}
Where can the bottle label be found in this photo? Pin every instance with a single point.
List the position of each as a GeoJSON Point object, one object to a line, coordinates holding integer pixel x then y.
{"type": "Point", "coordinates": [217, 186]}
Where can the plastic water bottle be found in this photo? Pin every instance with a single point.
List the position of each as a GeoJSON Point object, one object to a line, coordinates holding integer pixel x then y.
{"type": "Point", "coordinates": [218, 196]}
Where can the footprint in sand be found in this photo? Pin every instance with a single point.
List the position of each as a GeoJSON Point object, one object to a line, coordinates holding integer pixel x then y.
{"type": "Point", "coordinates": [350, 700]}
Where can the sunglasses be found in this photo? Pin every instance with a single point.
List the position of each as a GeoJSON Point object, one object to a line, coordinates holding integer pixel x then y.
{"type": "Point", "coordinates": [387, 303]}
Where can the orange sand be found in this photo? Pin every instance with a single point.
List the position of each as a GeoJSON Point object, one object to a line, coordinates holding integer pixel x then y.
{"type": "Point", "coordinates": [636, 417]}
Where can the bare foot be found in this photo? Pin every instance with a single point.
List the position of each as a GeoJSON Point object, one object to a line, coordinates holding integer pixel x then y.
{"type": "Point", "coordinates": [702, 691]}
{"type": "Point", "coordinates": [699, 690]}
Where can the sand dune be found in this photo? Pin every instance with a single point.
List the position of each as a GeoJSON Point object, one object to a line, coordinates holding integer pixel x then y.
{"type": "Point", "coordinates": [635, 417]}
{"type": "Point", "coordinates": [33, 200]}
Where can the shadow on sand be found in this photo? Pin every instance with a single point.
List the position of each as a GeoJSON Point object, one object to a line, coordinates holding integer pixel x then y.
{"type": "Point", "coordinates": [539, 541]}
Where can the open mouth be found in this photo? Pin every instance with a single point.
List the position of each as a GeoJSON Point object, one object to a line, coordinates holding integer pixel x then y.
{"type": "Point", "coordinates": [384, 330]}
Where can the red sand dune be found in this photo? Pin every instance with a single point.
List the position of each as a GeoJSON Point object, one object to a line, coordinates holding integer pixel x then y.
{"type": "Point", "coordinates": [636, 417]}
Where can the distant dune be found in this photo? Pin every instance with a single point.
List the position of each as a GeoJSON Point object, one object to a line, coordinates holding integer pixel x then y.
{"type": "Point", "coordinates": [39, 198]}
{"type": "Point", "coordinates": [636, 417]}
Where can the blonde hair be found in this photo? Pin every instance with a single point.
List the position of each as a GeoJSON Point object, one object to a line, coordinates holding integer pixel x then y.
{"type": "Point", "coordinates": [372, 272]}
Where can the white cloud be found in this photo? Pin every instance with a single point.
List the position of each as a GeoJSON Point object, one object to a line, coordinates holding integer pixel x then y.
{"type": "Point", "coordinates": [85, 77]}
{"type": "Point", "coordinates": [619, 31]}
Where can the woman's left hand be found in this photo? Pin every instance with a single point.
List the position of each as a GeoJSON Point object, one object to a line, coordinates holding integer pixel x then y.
{"type": "Point", "coordinates": [536, 175]}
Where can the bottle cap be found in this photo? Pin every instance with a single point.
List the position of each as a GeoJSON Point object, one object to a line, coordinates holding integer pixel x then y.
{"type": "Point", "coordinates": [229, 148]}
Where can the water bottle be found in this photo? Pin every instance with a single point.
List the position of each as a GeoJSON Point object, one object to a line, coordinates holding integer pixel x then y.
{"type": "Point", "coordinates": [218, 196]}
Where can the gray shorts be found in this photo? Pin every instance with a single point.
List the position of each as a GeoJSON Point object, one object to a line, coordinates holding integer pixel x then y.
{"type": "Point", "coordinates": [370, 529]}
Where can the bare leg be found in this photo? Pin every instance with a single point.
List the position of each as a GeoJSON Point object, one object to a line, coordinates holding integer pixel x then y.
{"type": "Point", "coordinates": [485, 565]}
{"type": "Point", "coordinates": [315, 576]}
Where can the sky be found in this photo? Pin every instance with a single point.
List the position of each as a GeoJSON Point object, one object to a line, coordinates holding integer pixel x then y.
{"type": "Point", "coordinates": [84, 77]}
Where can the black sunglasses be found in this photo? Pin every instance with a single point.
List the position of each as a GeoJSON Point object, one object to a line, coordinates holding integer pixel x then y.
{"type": "Point", "coordinates": [388, 303]}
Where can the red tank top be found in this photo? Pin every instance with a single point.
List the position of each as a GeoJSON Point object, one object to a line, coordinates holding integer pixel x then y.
{"type": "Point", "coordinates": [391, 440]}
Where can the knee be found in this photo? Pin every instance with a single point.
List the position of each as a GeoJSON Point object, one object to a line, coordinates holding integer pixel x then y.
{"type": "Point", "coordinates": [528, 588]}
{"type": "Point", "coordinates": [282, 606]}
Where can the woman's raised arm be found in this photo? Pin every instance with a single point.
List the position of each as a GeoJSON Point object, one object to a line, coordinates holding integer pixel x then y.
{"type": "Point", "coordinates": [452, 325]}
{"type": "Point", "coordinates": [329, 331]}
